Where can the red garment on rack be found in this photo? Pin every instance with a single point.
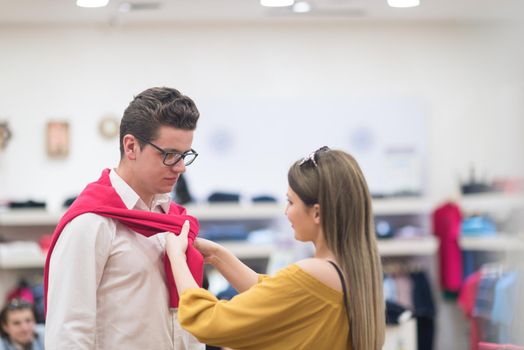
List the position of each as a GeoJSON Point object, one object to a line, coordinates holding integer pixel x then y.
{"type": "Point", "coordinates": [446, 226]}
{"type": "Point", "coordinates": [101, 198]}
{"type": "Point", "coordinates": [466, 301]}
{"type": "Point", "coordinates": [493, 346]}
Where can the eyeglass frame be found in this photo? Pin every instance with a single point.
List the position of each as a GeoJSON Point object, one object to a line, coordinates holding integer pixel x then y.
{"type": "Point", "coordinates": [165, 153]}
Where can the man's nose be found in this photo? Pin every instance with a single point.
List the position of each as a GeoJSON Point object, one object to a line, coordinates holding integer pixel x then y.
{"type": "Point", "coordinates": [27, 326]}
{"type": "Point", "coordinates": [179, 167]}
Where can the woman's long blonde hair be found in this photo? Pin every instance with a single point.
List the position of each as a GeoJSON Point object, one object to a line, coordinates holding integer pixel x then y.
{"type": "Point", "coordinates": [333, 179]}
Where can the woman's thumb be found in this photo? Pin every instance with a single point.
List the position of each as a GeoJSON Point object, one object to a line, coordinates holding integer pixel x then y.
{"type": "Point", "coordinates": [185, 228]}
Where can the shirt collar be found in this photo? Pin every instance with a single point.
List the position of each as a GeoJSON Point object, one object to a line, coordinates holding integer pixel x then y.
{"type": "Point", "coordinates": [132, 200]}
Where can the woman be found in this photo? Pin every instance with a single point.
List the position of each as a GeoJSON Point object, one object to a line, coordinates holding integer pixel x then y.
{"type": "Point", "coordinates": [307, 305]}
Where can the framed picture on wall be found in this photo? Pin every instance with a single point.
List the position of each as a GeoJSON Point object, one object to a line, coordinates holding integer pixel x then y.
{"type": "Point", "coordinates": [57, 140]}
{"type": "Point", "coordinates": [5, 135]}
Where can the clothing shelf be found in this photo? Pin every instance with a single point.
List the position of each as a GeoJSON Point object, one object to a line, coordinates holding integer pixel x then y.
{"type": "Point", "coordinates": [247, 250]}
{"type": "Point", "coordinates": [28, 261]}
{"type": "Point", "coordinates": [491, 202]}
{"type": "Point", "coordinates": [28, 217]}
{"type": "Point", "coordinates": [407, 246]}
{"type": "Point", "coordinates": [502, 242]}
{"type": "Point", "coordinates": [223, 211]}
{"type": "Point", "coordinates": [401, 206]}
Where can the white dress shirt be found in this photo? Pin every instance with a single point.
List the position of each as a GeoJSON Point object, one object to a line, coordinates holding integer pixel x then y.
{"type": "Point", "coordinates": [107, 287]}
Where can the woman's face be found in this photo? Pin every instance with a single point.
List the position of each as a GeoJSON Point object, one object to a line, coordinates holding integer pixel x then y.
{"type": "Point", "coordinates": [301, 217]}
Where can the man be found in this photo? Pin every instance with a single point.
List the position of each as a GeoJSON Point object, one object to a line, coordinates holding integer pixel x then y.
{"type": "Point", "coordinates": [18, 329]}
{"type": "Point", "coordinates": [106, 285]}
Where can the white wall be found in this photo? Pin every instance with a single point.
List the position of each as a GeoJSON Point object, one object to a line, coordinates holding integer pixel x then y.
{"type": "Point", "coordinates": [470, 77]}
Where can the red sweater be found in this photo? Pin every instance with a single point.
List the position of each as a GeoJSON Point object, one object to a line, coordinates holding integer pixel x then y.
{"type": "Point", "coordinates": [446, 226]}
{"type": "Point", "coordinates": [101, 198]}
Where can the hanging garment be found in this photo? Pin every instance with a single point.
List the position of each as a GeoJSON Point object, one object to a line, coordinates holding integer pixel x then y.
{"type": "Point", "coordinates": [395, 312]}
{"type": "Point", "coordinates": [504, 302]}
{"type": "Point", "coordinates": [404, 288]}
{"type": "Point", "coordinates": [446, 226]}
{"type": "Point", "coordinates": [488, 331]}
{"type": "Point", "coordinates": [493, 346]}
{"type": "Point", "coordinates": [466, 301]}
{"type": "Point", "coordinates": [423, 310]}
{"type": "Point", "coordinates": [390, 290]}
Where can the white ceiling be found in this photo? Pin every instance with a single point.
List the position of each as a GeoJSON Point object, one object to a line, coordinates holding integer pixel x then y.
{"type": "Point", "coordinates": [175, 11]}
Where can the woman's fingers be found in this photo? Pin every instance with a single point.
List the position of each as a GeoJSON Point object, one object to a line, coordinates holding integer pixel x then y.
{"type": "Point", "coordinates": [185, 228]}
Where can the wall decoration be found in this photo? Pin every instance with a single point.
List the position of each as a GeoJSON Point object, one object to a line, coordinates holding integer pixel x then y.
{"type": "Point", "coordinates": [109, 127]}
{"type": "Point", "coordinates": [57, 139]}
{"type": "Point", "coordinates": [5, 135]}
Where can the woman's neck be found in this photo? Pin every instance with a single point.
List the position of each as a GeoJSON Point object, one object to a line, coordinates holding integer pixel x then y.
{"type": "Point", "coordinates": [322, 251]}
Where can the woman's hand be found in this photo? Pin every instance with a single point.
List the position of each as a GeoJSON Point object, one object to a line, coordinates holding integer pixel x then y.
{"type": "Point", "coordinates": [177, 245]}
{"type": "Point", "coordinates": [209, 250]}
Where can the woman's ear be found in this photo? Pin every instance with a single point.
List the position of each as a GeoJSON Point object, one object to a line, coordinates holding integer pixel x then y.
{"type": "Point", "coordinates": [316, 213]}
{"type": "Point", "coordinates": [131, 146]}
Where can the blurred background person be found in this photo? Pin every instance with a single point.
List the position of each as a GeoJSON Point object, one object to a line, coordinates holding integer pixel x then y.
{"type": "Point", "coordinates": [19, 330]}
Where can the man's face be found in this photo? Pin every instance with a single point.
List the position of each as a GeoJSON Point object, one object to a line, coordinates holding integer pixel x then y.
{"type": "Point", "coordinates": [20, 326]}
{"type": "Point", "coordinates": [154, 177]}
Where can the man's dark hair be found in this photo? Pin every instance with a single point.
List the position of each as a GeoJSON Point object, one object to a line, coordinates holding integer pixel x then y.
{"type": "Point", "coordinates": [156, 107]}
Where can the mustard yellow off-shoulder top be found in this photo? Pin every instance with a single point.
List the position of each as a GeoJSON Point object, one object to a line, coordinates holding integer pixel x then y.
{"type": "Point", "coordinates": [291, 310]}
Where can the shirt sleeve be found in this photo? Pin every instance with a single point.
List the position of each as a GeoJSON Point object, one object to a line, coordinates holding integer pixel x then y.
{"type": "Point", "coordinates": [257, 312]}
{"type": "Point", "coordinates": [75, 271]}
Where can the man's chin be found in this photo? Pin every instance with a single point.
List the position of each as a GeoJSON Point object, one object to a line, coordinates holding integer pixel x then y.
{"type": "Point", "coordinates": [168, 189]}
{"type": "Point", "coordinates": [26, 342]}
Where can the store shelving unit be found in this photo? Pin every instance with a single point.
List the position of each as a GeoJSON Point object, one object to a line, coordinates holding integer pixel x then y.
{"type": "Point", "coordinates": [491, 202]}
{"type": "Point", "coordinates": [226, 211]}
{"type": "Point", "coordinates": [247, 250]}
{"type": "Point", "coordinates": [401, 206]}
{"type": "Point", "coordinates": [34, 260]}
{"type": "Point", "coordinates": [498, 205]}
{"type": "Point", "coordinates": [23, 220]}
{"type": "Point", "coordinates": [24, 224]}
{"type": "Point", "coordinates": [501, 242]}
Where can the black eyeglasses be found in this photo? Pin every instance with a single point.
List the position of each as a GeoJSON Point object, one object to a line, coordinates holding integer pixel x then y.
{"type": "Point", "coordinates": [310, 158]}
{"type": "Point", "coordinates": [171, 157]}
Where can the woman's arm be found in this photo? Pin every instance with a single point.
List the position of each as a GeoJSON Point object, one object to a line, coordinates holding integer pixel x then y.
{"type": "Point", "coordinates": [240, 276]}
{"type": "Point", "coordinates": [237, 273]}
{"type": "Point", "coordinates": [176, 247]}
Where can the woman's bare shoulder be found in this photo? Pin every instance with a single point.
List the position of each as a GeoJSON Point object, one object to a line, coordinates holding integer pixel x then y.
{"type": "Point", "coordinates": [322, 270]}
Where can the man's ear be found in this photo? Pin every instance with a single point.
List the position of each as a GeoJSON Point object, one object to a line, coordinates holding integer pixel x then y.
{"type": "Point", "coordinates": [316, 213]}
{"type": "Point", "coordinates": [131, 146]}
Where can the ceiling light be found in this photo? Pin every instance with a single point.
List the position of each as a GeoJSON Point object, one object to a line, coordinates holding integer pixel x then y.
{"type": "Point", "coordinates": [92, 3]}
{"type": "Point", "coordinates": [276, 3]}
{"type": "Point", "coordinates": [403, 3]}
{"type": "Point", "coordinates": [301, 7]}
